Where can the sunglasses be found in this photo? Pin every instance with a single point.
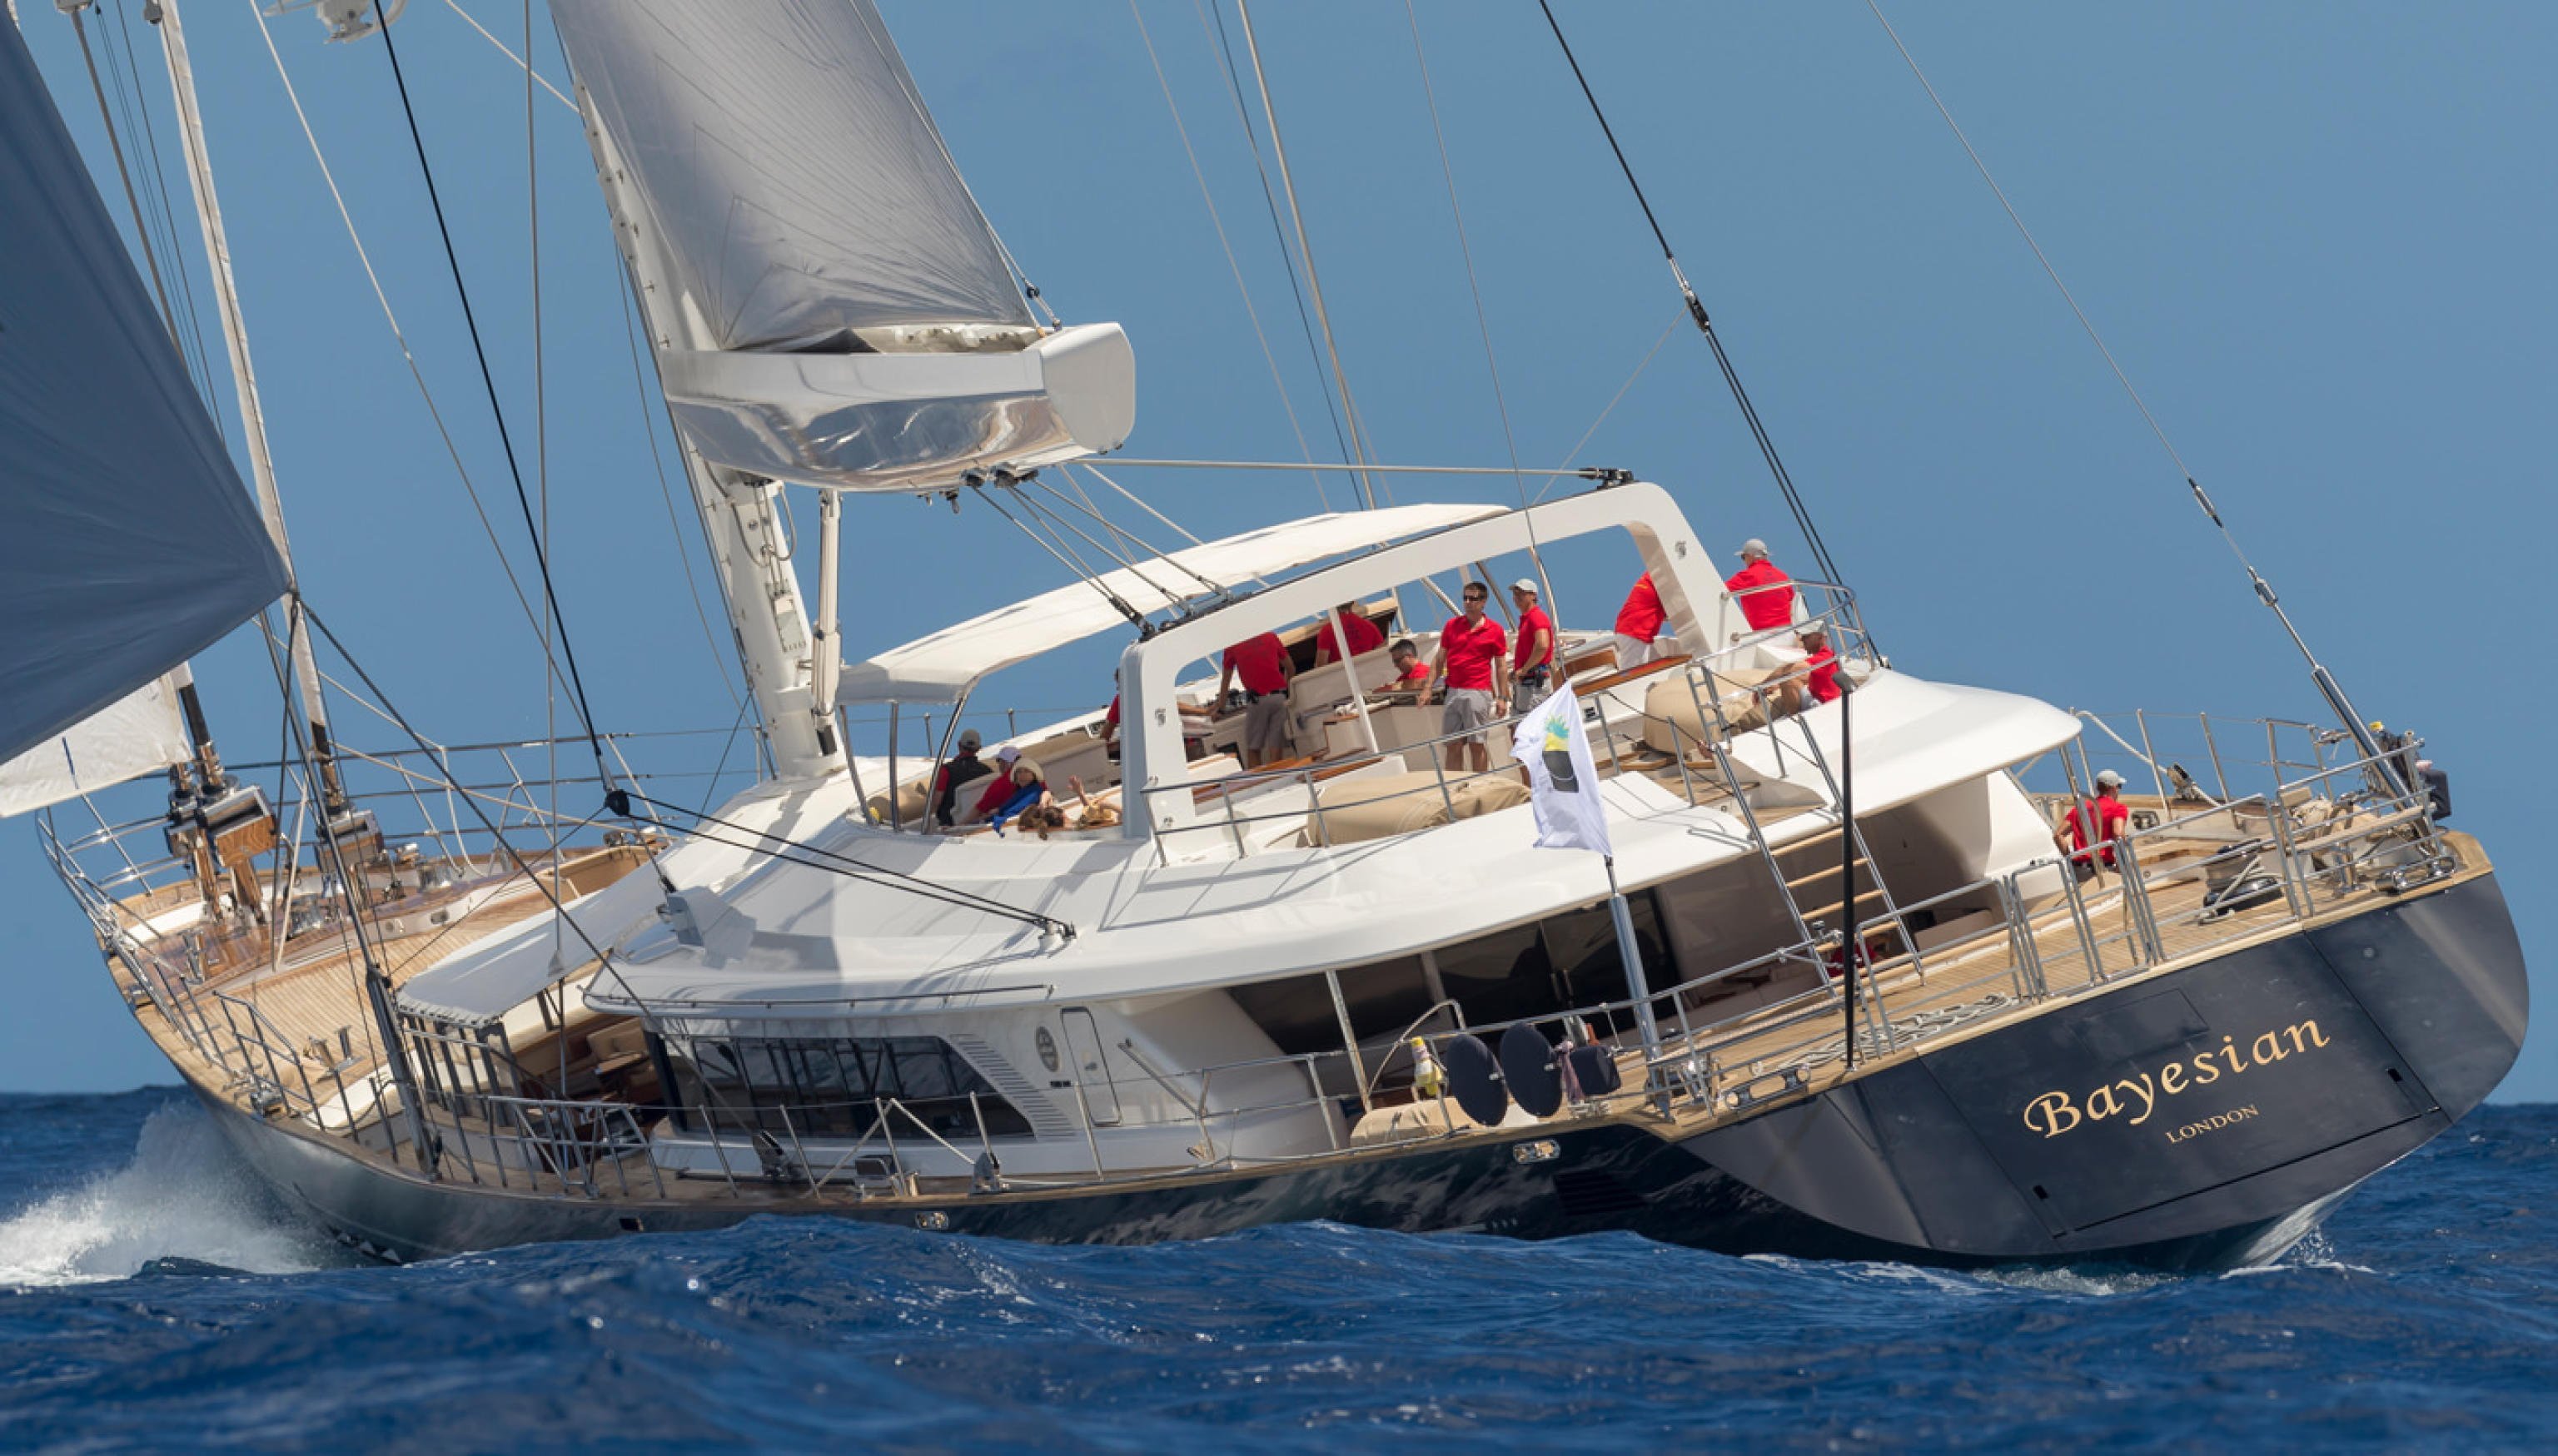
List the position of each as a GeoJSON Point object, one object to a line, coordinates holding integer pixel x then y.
{"type": "Point", "coordinates": [1474, 597]}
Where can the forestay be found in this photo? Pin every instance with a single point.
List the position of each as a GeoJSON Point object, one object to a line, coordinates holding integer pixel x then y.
{"type": "Point", "coordinates": [942, 667]}
{"type": "Point", "coordinates": [128, 542]}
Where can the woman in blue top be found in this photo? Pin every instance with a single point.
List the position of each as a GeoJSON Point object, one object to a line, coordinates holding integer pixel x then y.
{"type": "Point", "coordinates": [1029, 788]}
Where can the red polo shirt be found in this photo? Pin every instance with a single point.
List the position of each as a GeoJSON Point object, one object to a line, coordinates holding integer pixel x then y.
{"type": "Point", "coordinates": [1763, 610]}
{"type": "Point", "coordinates": [1529, 622]}
{"type": "Point", "coordinates": [1364, 636]}
{"type": "Point", "coordinates": [1419, 676]}
{"type": "Point", "coordinates": [1471, 652]}
{"type": "Point", "coordinates": [1824, 678]}
{"type": "Point", "coordinates": [1259, 663]}
{"type": "Point", "coordinates": [1642, 616]}
{"type": "Point", "coordinates": [2110, 816]}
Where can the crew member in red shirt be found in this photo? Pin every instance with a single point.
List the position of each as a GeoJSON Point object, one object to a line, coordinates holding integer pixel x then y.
{"type": "Point", "coordinates": [1262, 663]}
{"type": "Point", "coordinates": [1639, 621]}
{"type": "Point", "coordinates": [1364, 636]}
{"type": "Point", "coordinates": [1818, 679]}
{"type": "Point", "coordinates": [1532, 666]}
{"type": "Point", "coordinates": [1410, 672]}
{"type": "Point", "coordinates": [2110, 818]}
{"type": "Point", "coordinates": [1474, 656]}
{"type": "Point", "coordinates": [1767, 594]}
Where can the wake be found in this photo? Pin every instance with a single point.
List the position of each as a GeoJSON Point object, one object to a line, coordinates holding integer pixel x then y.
{"type": "Point", "coordinates": [182, 1196]}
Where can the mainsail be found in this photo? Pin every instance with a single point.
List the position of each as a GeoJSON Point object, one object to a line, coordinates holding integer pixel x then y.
{"type": "Point", "coordinates": [842, 313]}
{"type": "Point", "coordinates": [128, 542]}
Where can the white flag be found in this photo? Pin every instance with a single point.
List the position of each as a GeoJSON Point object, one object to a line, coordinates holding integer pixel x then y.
{"type": "Point", "coordinates": [1563, 783]}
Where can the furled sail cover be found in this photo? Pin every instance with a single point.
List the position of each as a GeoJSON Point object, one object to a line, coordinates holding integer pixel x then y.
{"type": "Point", "coordinates": [127, 543]}
{"type": "Point", "coordinates": [786, 166]}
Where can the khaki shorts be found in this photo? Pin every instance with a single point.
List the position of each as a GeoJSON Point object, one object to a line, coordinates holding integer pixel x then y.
{"type": "Point", "coordinates": [1265, 724]}
{"type": "Point", "coordinates": [1467, 712]}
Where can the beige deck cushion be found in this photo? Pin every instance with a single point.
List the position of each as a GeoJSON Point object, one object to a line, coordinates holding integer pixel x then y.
{"type": "Point", "coordinates": [1671, 702]}
{"type": "Point", "coordinates": [1378, 806]}
{"type": "Point", "coordinates": [913, 798]}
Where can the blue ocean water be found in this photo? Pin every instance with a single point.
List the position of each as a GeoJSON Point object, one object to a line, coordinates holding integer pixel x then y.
{"type": "Point", "coordinates": [150, 1297]}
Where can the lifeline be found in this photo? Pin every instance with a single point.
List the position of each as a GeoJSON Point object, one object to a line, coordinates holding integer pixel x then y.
{"type": "Point", "coordinates": [2053, 1113]}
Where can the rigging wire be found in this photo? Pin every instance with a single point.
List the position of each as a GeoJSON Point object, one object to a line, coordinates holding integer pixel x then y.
{"type": "Point", "coordinates": [496, 835]}
{"type": "Point", "coordinates": [843, 864]}
{"type": "Point", "coordinates": [1359, 451]}
{"type": "Point", "coordinates": [452, 261]}
{"type": "Point", "coordinates": [1474, 285]}
{"type": "Point", "coordinates": [666, 494]}
{"type": "Point", "coordinates": [1082, 574]}
{"type": "Point", "coordinates": [2264, 589]}
{"type": "Point", "coordinates": [1131, 542]}
{"type": "Point", "coordinates": [399, 336]}
{"type": "Point", "coordinates": [115, 144]}
{"type": "Point", "coordinates": [1696, 311]}
{"type": "Point", "coordinates": [1092, 511]}
{"type": "Point", "coordinates": [923, 117]}
{"type": "Point", "coordinates": [1614, 400]}
{"type": "Point", "coordinates": [165, 214]}
{"type": "Point", "coordinates": [542, 465]}
{"type": "Point", "coordinates": [1233, 267]}
{"type": "Point", "coordinates": [1278, 230]}
{"type": "Point", "coordinates": [158, 230]}
{"type": "Point", "coordinates": [508, 52]}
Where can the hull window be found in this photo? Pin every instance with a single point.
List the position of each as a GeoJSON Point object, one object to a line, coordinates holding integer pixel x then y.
{"type": "Point", "coordinates": [834, 1087]}
{"type": "Point", "coordinates": [1298, 1013]}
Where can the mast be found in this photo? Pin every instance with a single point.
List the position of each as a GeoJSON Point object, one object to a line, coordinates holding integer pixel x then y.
{"type": "Point", "coordinates": [218, 254]}
{"type": "Point", "coordinates": [825, 301]}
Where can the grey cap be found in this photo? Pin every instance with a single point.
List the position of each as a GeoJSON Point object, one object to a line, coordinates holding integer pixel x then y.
{"type": "Point", "coordinates": [1752, 547]}
{"type": "Point", "coordinates": [2109, 779]}
{"type": "Point", "coordinates": [1524, 584]}
{"type": "Point", "coordinates": [969, 743]}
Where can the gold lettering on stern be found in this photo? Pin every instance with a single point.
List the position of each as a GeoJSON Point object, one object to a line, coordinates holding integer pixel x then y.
{"type": "Point", "coordinates": [2136, 1097]}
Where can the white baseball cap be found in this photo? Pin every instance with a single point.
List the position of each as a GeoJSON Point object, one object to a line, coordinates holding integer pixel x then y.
{"type": "Point", "coordinates": [1006, 753]}
{"type": "Point", "coordinates": [2109, 779]}
{"type": "Point", "coordinates": [1752, 547]}
{"type": "Point", "coordinates": [1524, 584]}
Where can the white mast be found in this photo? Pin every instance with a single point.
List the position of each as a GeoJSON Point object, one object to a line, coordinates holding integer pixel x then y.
{"type": "Point", "coordinates": [208, 213]}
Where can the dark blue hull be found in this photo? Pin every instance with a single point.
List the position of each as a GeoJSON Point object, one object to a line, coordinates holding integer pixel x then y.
{"type": "Point", "coordinates": [2200, 1119]}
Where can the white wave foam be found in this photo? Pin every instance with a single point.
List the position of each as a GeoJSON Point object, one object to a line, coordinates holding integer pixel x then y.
{"type": "Point", "coordinates": [182, 1196]}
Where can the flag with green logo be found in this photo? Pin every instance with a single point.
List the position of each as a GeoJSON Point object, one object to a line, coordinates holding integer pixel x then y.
{"type": "Point", "coordinates": [1563, 782]}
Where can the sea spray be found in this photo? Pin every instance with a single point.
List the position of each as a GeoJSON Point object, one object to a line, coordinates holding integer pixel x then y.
{"type": "Point", "coordinates": [180, 1195]}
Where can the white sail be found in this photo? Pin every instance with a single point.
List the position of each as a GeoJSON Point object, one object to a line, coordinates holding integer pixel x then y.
{"type": "Point", "coordinates": [835, 309]}
{"type": "Point", "coordinates": [127, 543]}
{"type": "Point", "coordinates": [137, 735]}
{"type": "Point", "coordinates": [786, 163]}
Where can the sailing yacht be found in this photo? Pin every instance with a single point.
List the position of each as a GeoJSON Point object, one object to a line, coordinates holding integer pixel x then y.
{"type": "Point", "coordinates": [1828, 984]}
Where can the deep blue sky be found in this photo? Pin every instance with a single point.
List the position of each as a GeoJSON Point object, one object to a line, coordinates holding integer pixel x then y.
{"type": "Point", "coordinates": [2316, 236]}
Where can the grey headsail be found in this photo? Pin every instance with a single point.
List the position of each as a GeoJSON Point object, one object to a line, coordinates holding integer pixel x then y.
{"type": "Point", "coordinates": [128, 542]}
{"type": "Point", "coordinates": [831, 304]}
